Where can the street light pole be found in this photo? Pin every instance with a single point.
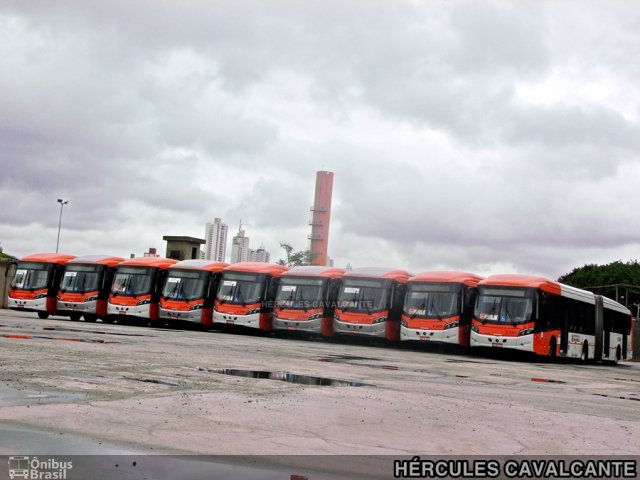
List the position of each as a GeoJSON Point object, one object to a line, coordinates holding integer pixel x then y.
{"type": "Point", "coordinates": [62, 204]}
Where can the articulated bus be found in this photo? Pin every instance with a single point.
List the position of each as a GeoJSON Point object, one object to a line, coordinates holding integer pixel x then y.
{"type": "Point", "coordinates": [438, 307]}
{"type": "Point", "coordinates": [537, 315]}
{"type": "Point", "coordinates": [136, 288]}
{"type": "Point", "coordinates": [306, 299]}
{"type": "Point", "coordinates": [85, 286]}
{"type": "Point", "coordinates": [35, 284]}
{"type": "Point", "coordinates": [246, 295]}
{"type": "Point", "coordinates": [370, 302]}
{"type": "Point", "coordinates": [189, 291]}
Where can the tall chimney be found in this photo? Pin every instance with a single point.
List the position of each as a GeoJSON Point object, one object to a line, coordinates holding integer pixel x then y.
{"type": "Point", "coordinates": [321, 215]}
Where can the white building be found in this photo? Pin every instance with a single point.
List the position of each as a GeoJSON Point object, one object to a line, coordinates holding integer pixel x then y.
{"type": "Point", "coordinates": [259, 255]}
{"type": "Point", "coordinates": [240, 247]}
{"type": "Point", "coordinates": [215, 237]}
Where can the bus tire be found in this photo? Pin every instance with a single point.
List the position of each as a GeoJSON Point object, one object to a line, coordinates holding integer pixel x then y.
{"type": "Point", "coordinates": [108, 319]}
{"type": "Point", "coordinates": [618, 356]}
{"type": "Point", "coordinates": [43, 315]}
{"type": "Point", "coordinates": [75, 317]}
{"type": "Point", "coordinates": [584, 356]}
{"type": "Point", "coordinates": [552, 347]}
{"type": "Point", "coordinates": [90, 317]}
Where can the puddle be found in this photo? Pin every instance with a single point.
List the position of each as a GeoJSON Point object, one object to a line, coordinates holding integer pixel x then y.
{"type": "Point", "coordinates": [13, 396]}
{"type": "Point", "coordinates": [152, 380]}
{"type": "Point", "coordinates": [285, 377]}
{"type": "Point", "coordinates": [545, 380]}
{"type": "Point", "coordinates": [342, 358]}
{"type": "Point", "coordinates": [616, 396]}
{"type": "Point", "coordinates": [66, 339]}
{"type": "Point", "coordinates": [459, 360]}
{"type": "Point", "coordinates": [96, 332]}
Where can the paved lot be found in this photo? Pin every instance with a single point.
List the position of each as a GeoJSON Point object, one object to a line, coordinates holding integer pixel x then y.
{"type": "Point", "coordinates": [156, 390]}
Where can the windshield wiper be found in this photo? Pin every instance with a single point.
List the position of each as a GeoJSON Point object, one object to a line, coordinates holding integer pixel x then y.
{"type": "Point", "coordinates": [422, 307]}
{"type": "Point", "coordinates": [492, 312]}
{"type": "Point", "coordinates": [241, 296]}
{"type": "Point", "coordinates": [509, 316]}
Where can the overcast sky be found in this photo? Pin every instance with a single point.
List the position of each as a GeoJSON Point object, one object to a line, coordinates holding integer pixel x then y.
{"type": "Point", "coordinates": [492, 137]}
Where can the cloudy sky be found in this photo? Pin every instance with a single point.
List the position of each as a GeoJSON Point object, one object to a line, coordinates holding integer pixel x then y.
{"type": "Point", "coordinates": [484, 136]}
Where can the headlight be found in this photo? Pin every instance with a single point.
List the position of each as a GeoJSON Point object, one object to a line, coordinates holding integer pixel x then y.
{"type": "Point", "coordinates": [526, 331]}
{"type": "Point", "coordinates": [253, 310]}
{"type": "Point", "coordinates": [474, 329]}
{"type": "Point", "coordinates": [315, 316]}
{"type": "Point", "coordinates": [144, 302]}
{"type": "Point", "coordinates": [379, 319]}
{"type": "Point", "coordinates": [451, 325]}
{"type": "Point", "coordinates": [40, 295]}
{"type": "Point", "coordinates": [91, 298]}
{"type": "Point", "coordinates": [275, 314]}
{"type": "Point", "coordinates": [197, 306]}
{"type": "Point", "coordinates": [404, 323]}
{"type": "Point", "coordinates": [336, 317]}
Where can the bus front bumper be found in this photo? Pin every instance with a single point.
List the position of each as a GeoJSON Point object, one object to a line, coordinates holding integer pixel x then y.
{"type": "Point", "coordinates": [523, 342]}
{"type": "Point", "coordinates": [38, 304]}
{"type": "Point", "coordinates": [250, 321]}
{"type": "Point", "coordinates": [311, 326]}
{"type": "Point", "coordinates": [132, 311]}
{"type": "Point", "coordinates": [83, 307]}
{"type": "Point", "coordinates": [371, 329]}
{"type": "Point", "coordinates": [183, 315]}
{"type": "Point", "coordinates": [450, 335]}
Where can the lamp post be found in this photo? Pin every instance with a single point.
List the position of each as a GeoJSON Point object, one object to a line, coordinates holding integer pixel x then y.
{"type": "Point", "coordinates": [62, 204]}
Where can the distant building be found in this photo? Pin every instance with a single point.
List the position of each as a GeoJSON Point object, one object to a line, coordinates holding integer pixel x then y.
{"type": "Point", "coordinates": [151, 253]}
{"type": "Point", "coordinates": [259, 255]}
{"type": "Point", "coordinates": [183, 248]}
{"type": "Point", "coordinates": [240, 247]}
{"type": "Point", "coordinates": [215, 247]}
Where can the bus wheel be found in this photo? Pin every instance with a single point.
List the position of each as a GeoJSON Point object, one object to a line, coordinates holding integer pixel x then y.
{"type": "Point", "coordinates": [43, 315]}
{"type": "Point", "coordinates": [552, 348]}
{"type": "Point", "coordinates": [584, 356]}
{"type": "Point", "coordinates": [90, 317]}
{"type": "Point", "coordinates": [108, 319]}
{"type": "Point", "coordinates": [75, 317]}
{"type": "Point", "coordinates": [618, 356]}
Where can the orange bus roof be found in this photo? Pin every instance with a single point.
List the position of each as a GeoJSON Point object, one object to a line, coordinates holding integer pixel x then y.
{"type": "Point", "coordinates": [401, 276]}
{"type": "Point", "coordinates": [530, 281]}
{"type": "Point", "coordinates": [315, 271]}
{"type": "Point", "coordinates": [448, 277]}
{"type": "Point", "coordinates": [58, 258]}
{"type": "Point", "coordinates": [157, 262]}
{"type": "Point", "coordinates": [207, 265]}
{"type": "Point", "coordinates": [272, 269]}
{"type": "Point", "coordinates": [99, 260]}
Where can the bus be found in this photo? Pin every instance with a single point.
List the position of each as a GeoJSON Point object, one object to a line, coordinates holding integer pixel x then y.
{"type": "Point", "coordinates": [35, 284]}
{"type": "Point", "coordinates": [246, 294]}
{"type": "Point", "coordinates": [136, 288]}
{"type": "Point", "coordinates": [438, 307]}
{"type": "Point", "coordinates": [305, 299]}
{"type": "Point", "coordinates": [189, 291]}
{"type": "Point", "coordinates": [85, 285]}
{"type": "Point", "coordinates": [370, 302]}
{"type": "Point", "coordinates": [538, 315]}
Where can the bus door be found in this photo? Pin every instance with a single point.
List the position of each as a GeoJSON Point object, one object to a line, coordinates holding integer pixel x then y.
{"type": "Point", "coordinates": [599, 328]}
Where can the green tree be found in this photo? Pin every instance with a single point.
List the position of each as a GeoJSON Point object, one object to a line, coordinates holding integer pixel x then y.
{"type": "Point", "coordinates": [615, 280]}
{"type": "Point", "coordinates": [294, 259]}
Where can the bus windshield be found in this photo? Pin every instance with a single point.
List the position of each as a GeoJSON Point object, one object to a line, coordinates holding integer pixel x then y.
{"type": "Point", "coordinates": [80, 278]}
{"type": "Point", "coordinates": [132, 281]}
{"type": "Point", "coordinates": [185, 285]}
{"type": "Point", "coordinates": [240, 288]}
{"type": "Point", "coordinates": [31, 276]}
{"type": "Point", "coordinates": [360, 295]}
{"type": "Point", "coordinates": [426, 300]}
{"type": "Point", "coordinates": [505, 305]}
{"type": "Point", "coordinates": [300, 293]}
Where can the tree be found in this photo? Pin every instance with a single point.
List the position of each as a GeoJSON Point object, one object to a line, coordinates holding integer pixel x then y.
{"type": "Point", "coordinates": [294, 259]}
{"type": "Point", "coordinates": [617, 280]}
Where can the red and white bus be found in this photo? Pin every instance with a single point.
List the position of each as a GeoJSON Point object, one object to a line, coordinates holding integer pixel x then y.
{"type": "Point", "coordinates": [370, 302]}
{"type": "Point", "coordinates": [538, 315]}
{"type": "Point", "coordinates": [438, 307]}
{"type": "Point", "coordinates": [306, 299]}
{"type": "Point", "coordinates": [189, 291]}
{"type": "Point", "coordinates": [136, 288]}
{"type": "Point", "coordinates": [85, 286]}
{"type": "Point", "coordinates": [246, 295]}
{"type": "Point", "coordinates": [35, 284]}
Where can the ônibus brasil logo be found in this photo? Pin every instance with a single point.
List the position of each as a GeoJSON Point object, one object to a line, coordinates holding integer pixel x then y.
{"type": "Point", "coordinates": [33, 468]}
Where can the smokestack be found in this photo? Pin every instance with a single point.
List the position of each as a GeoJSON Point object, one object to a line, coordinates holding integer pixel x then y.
{"type": "Point", "coordinates": [321, 215]}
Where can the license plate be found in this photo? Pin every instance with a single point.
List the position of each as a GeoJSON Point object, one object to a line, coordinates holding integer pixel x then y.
{"type": "Point", "coordinates": [230, 322]}
{"type": "Point", "coordinates": [20, 306]}
{"type": "Point", "coordinates": [497, 345]}
{"type": "Point", "coordinates": [121, 312]}
{"type": "Point", "coordinates": [424, 339]}
{"type": "Point", "coordinates": [291, 328]}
